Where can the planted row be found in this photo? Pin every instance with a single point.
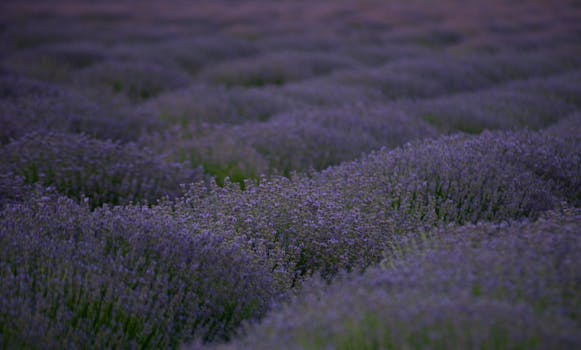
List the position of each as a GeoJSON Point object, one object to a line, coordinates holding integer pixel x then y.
{"type": "Point", "coordinates": [28, 105]}
{"type": "Point", "coordinates": [483, 286]}
{"type": "Point", "coordinates": [100, 171]}
{"type": "Point", "coordinates": [344, 217]}
{"type": "Point", "coordinates": [131, 277]}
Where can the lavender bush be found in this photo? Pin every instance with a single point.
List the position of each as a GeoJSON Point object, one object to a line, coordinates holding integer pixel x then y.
{"type": "Point", "coordinates": [126, 276]}
{"type": "Point", "coordinates": [343, 217]}
{"type": "Point", "coordinates": [455, 288]}
{"type": "Point", "coordinates": [215, 148]}
{"type": "Point", "coordinates": [316, 139]}
{"type": "Point", "coordinates": [54, 62]}
{"type": "Point", "coordinates": [505, 107]}
{"type": "Point", "coordinates": [274, 69]}
{"type": "Point", "coordinates": [207, 104]}
{"type": "Point", "coordinates": [454, 178]}
{"type": "Point", "coordinates": [137, 82]}
{"type": "Point", "coordinates": [28, 105]}
{"type": "Point", "coordinates": [101, 171]}
{"type": "Point", "coordinates": [565, 87]}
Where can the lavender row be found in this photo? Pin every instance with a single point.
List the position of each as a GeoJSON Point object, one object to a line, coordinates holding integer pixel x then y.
{"type": "Point", "coordinates": [138, 71]}
{"type": "Point", "coordinates": [30, 106]}
{"type": "Point", "coordinates": [485, 286]}
{"type": "Point", "coordinates": [301, 140]}
{"type": "Point", "coordinates": [199, 104]}
{"type": "Point", "coordinates": [532, 103]}
{"type": "Point", "coordinates": [131, 277]}
{"type": "Point", "coordinates": [343, 218]}
{"type": "Point", "coordinates": [434, 75]}
{"type": "Point", "coordinates": [301, 137]}
{"type": "Point", "coordinates": [100, 171]}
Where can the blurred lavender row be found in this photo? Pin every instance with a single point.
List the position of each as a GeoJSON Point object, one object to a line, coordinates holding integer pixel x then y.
{"type": "Point", "coordinates": [93, 170]}
{"type": "Point", "coordinates": [121, 277]}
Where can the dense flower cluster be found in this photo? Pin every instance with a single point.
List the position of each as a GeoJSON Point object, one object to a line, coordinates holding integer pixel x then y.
{"type": "Point", "coordinates": [484, 286]}
{"type": "Point", "coordinates": [344, 217]}
{"type": "Point", "coordinates": [100, 171]}
{"type": "Point", "coordinates": [125, 276]}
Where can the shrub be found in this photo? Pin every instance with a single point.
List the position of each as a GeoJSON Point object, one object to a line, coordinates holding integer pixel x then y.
{"type": "Point", "coordinates": [216, 105]}
{"type": "Point", "coordinates": [565, 87]}
{"type": "Point", "coordinates": [102, 171]}
{"type": "Point", "coordinates": [54, 62]}
{"type": "Point", "coordinates": [125, 276]}
{"type": "Point", "coordinates": [318, 138]}
{"type": "Point", "coordinates": [215, 148]}
{"type": "Point", "coordinates": [504, 108]}
{"type": "Point", "coordinates": [485, 286]}
{"type": "Point", "coordinates": [274, 69]}
{"type": "Point", "coordinates": [344, 217]}
{"type": "Point", "coordinates": [28, 106]}
{"type": "Point", "coordinates": [137, 80]}
{"type": "Point", "coordinates": [454, 178]}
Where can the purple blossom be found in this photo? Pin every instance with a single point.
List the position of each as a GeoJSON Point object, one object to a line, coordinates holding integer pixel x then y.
{"type": "Point", "coordinates": [274, 69]}
{"type": "Point", "coordinates": [102, 171]}
{"type": "Point", "coordinates": [473, 286]}
{"type": "Point", "coordinates": [131, 276]}
{"type": "Point", "coordinates": [28, 106]}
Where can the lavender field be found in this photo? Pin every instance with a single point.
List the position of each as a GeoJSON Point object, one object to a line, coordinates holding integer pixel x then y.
{"type": "Point", "coordinates": [293, 174]}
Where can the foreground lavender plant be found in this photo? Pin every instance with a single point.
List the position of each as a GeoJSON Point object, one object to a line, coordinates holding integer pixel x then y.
{"type": "Point", "coordinates": [485, 286]}
{"type": "Point", "coordinates": [457, 178]}
{"type": "Point", "coordinates": [132, 277]}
